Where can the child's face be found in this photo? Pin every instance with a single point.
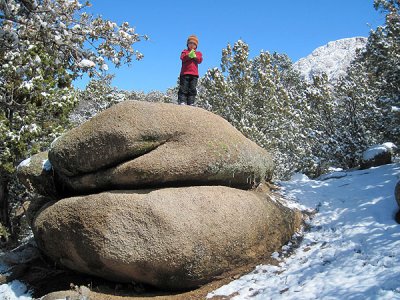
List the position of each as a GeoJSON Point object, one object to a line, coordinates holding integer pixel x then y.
{"type": "Point", "coordinates": [191, 45]}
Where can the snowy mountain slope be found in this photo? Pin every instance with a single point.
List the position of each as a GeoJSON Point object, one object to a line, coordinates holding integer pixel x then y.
{"type": "Point", "coordinates": [333, 58]}
{"type": "Point", "coordinates": [352, 250]}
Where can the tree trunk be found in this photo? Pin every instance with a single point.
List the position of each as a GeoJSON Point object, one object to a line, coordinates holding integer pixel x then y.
{"type": "Point", "coordinates": [4, 205]}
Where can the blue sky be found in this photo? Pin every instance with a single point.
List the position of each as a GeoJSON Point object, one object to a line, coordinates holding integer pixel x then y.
{"type": "Point", "coordinates": [293, 27]}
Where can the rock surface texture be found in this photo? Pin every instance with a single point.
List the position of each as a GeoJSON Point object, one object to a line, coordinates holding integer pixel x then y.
{"type": "Point", "coordinates": [158, 194]}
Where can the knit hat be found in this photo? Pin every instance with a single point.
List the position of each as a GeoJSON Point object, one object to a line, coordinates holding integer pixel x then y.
{"type": "Point", "coordinates": [193, 39]}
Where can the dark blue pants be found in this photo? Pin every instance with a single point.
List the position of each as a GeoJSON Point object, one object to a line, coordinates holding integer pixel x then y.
{"type": "Point", "coordinates": [187, 89]}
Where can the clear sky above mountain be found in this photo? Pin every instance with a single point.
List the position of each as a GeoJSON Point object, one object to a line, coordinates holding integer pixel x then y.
{"type": "Point", "coordinates": [292, 27]}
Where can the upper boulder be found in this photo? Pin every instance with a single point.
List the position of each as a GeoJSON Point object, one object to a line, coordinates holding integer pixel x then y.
{"type": "Point", "coordinates": [140, 144]}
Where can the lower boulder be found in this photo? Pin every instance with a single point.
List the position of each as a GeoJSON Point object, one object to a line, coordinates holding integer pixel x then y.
{"type": "Point", "coordinates": [172, 238]}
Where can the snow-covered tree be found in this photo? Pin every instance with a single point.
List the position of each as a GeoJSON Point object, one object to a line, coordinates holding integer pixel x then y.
{"type": "Point", "coordinates": [383, 49]}
{"type": "Point", "coordinates": [358, 123]}
{"type": "Point", "coordinates": [382, 59]}
{"type": "Point", "coordinates": [45, 44]}
{"type": "Point", "coordinates": [170, 96]}
{"type": "Point", "coordinates": [321, 124]}
{"type": "Point", "coordinates": [262, 97]}
{"type": "Point", "coordinates": [97, 96]}
{"type": "Point", "coordinates": [368, 97]}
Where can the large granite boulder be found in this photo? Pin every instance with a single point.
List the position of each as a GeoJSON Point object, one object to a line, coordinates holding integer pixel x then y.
{"type": "Point", "coordinates": [168, 214]}
{"type": "Point", "coordinates": [173, 238]}
{"type": "Point", "coordinates": [138, 144]}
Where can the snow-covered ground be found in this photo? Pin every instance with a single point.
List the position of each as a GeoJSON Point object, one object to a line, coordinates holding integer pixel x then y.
{"type": "Point", "coordinates": [352, 250]}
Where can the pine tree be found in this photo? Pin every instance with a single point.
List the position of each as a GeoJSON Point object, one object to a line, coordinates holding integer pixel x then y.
{"type": "Point", "coordinates": [358, 124]}
{"type": "Point", "coordinates": [368, 96]}
{"type": "Point", "coordinates": [44, 46]}
{"type": "Point", "coordinates": [321, 125]}
{"type": "Point", "coordinates": [262, 97]}
{"type": "Point", "coordinates": [97, 96]}
{"type": "Point", "coordinates": [382, 58]}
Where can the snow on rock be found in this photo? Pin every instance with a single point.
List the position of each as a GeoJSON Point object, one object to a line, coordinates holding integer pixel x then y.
{"type": "Point", "coordinates": [352, 250]}
{"type": "Point", "coordinates": [333, 58]}
{"type": "Point", "coordinates": [296, 177]}
{"type": "Point", "coordinates": [372, 152]}
{"type": "Point", "coordinates": [390, 146]}
{"type": "Point", "coordinates": [46, 165]}
{"type": "Point", "coordinates": [395, 109]}
{"type": "Point", "coordinates": [376, 150]}
{"type": "Point", "coordinates": [24, 163]}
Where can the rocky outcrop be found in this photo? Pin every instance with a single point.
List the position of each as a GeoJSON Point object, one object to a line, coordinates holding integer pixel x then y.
{"type": "Point", "coordinates": [149, 193]}
{"type": "Point", "coordinates": [172, 238]}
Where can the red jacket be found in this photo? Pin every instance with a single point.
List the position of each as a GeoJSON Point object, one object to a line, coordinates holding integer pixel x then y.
{"type": "Point", "coordinates": [190, 65]}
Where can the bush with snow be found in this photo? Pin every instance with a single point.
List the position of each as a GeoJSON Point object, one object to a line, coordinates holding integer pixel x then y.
{"type": "Point", "coordinates": [311, 126]}
{"type": "Point", "coordinates": [263, 98]}
{"type": "Point", "coordinates": [97, 96]}
{"type": "Point", "coordinates": [44, 46]}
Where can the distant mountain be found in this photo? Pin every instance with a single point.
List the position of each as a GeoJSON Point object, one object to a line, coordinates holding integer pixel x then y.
{"type": "Point", "coordinates": [333, 58]}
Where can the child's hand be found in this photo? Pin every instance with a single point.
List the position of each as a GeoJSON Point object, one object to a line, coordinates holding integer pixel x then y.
{"type": "Point", "coordinates": [192, 54]}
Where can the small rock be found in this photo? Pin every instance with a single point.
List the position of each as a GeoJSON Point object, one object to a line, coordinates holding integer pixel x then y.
{"type": "Point", "coordinates": [377, 155]}
{"type": "Point", "coordinates": [36, 174]}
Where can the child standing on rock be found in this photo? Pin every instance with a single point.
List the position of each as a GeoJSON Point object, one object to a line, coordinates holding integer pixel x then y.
{"type": "Point", "coordinates": [189, 72]}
